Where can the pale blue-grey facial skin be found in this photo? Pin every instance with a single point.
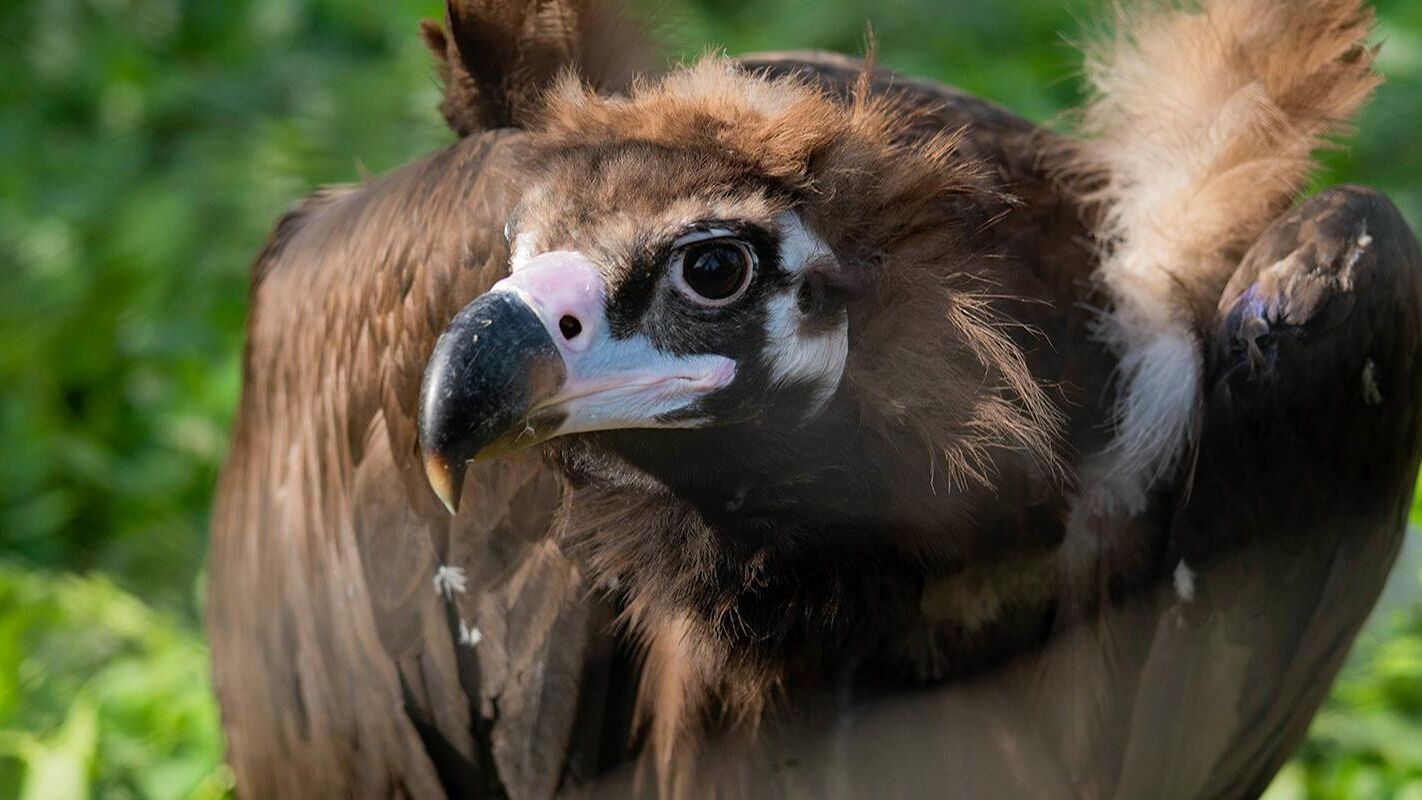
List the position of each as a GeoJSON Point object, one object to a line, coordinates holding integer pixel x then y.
{"type": "Point", "coordinates": [611, 382]}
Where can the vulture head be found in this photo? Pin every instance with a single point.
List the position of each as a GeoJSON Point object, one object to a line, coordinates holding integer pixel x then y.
{"type": "Point", "coordinates": [727, 286]}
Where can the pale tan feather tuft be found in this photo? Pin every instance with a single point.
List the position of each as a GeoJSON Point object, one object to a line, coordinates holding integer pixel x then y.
{"type": "Point", "coordinates": [1202, 131]}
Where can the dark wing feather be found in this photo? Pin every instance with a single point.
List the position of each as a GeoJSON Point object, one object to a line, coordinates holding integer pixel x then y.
{"type": "Point", "coordinates": [1307, 460]}
{"type": "Point", "coordinates": [341, 668]}
{"type": "Point", "coordinates": [1295, 509]}
{"type": "Point", "coordinates": [498, 57]}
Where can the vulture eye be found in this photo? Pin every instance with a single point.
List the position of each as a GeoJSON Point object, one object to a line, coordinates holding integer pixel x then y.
{"type": "Point", "coordinates": [713, 272]}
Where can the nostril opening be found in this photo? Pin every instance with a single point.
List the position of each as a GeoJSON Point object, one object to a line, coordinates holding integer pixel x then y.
{"type": "Point", "coordinates": [570, 327]}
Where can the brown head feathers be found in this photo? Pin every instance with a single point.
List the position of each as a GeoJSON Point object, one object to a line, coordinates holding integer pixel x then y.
{"type": "Point", "coordinates": [928, 355]}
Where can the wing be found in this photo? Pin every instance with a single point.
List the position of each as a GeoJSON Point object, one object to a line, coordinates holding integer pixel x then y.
{"type": "Point", "coordinates": [1306, 465]}
{"type": "Point", "coordinates": [366, 643]}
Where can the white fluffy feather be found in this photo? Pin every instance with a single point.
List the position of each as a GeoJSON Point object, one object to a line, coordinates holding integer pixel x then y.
{"type": "Point", "coordinates": [796, 356]}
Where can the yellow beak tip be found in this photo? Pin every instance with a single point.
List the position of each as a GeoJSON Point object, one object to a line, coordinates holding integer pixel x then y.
{"type": "Point", "coordinates": [442, 480]}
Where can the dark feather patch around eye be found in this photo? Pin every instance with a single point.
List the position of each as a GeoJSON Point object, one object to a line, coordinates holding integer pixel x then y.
{"type": "Point", "coordinates": [821, 297]}
{"type": "Point", "coordinates": [629, 301]}
{"type": "Point", "coordinates": [634, 294]}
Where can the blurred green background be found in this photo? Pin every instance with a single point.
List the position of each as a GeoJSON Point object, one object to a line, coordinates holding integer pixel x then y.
{"type": "Point", "coordinates": [146, 146]}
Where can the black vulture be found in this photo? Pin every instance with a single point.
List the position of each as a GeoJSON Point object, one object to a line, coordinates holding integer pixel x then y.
{"type": "Point", "coordinates": [814, 430]}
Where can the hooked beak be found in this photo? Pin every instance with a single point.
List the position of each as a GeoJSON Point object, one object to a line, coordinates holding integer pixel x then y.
{"type": "Point", "coordinates": [489, 368]}
{"type": "Point", "coordinates": [533, 359]}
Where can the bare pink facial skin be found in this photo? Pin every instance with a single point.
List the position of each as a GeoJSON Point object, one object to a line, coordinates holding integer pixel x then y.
{"type": "Point", "coordinates": [611, 383]}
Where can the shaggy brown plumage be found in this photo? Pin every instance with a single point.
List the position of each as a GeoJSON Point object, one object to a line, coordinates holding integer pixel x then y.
{"type": "Point", "coordinates": [942, 543]}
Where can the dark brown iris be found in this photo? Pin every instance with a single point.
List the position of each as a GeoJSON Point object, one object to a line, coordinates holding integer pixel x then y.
{"type": "Point", "coordinates": [715, 270]}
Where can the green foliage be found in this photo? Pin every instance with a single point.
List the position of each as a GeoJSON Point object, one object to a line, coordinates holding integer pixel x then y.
{"type": "Point", "coordinates": [146, 146]}
{"type": "Point", "coordinates": [99, 693]}
{"type": "Point", "coordinates": [1366, 743]}
{"type": "Point", "coordinates": [144, 152]}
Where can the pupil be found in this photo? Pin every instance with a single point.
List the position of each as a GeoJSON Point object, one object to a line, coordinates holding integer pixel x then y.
{"type": "Point", "coordinates": [714, 270]}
